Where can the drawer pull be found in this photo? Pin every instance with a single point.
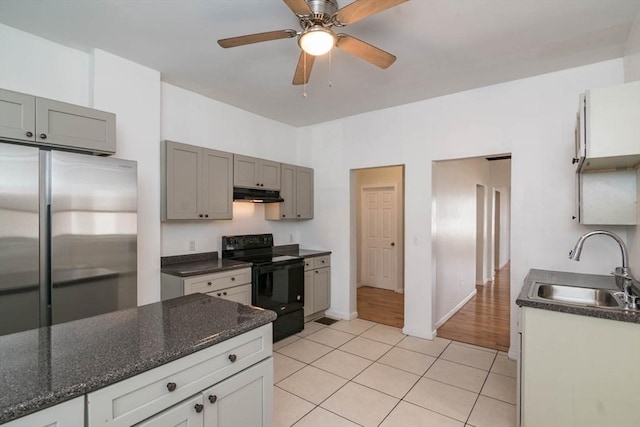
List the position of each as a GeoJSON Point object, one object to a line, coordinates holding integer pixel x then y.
{"type": "Point", "coordinates": [43, 136]}
{"type": "Point", "coordinates": [171, 386]}
{"type": "Point", "coordinates": [232, 357]}
{"type": "Point", "coordinates": [323, 261]}
{"type": "Point", "coordinates": [212, 398]}
{"type": "Point", "coordinates": [233, 279]}
{"type": "Point", "coordinates": [219, 294]}
{"type": "Point", "coordinates": [224, 293]}
{"type": "Point", "coordinates": [209, 283]}
{"type": "Point", "coordinates": [199, 408]}
{"type": "Point", "coordinates": [29, 134]}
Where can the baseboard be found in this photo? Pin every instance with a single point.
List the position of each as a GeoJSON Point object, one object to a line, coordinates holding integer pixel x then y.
{"type": "Point", "coordinates": [341, 315]}
{"type": "Point", "coordinates": [455, 309]}
{"type": "Point", "coordinates": [400, 291]}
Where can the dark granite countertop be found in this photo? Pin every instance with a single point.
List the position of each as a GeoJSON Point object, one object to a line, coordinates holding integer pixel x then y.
{"type": "Point", "coordinates": [295, 250]}
{"type": "Point", "coordinates": [43, 367]}
{"type": "Point", "coordinates": [574, 279]}
{"type": "Point", "coordinates": [196, 264]}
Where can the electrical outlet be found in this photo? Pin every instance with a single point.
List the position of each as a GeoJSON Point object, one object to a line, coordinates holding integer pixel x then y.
{"type": "Point", "coordinates": [192, 245]}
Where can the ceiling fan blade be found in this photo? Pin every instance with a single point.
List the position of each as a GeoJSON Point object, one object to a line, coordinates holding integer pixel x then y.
{"type": "Point", "coordinates": [365, 51]}
{"type": "Point", "coordinates": [257, 38]}
{"type": "Point", "coordinates": [299, 7]}
{"type": "Point", "coordinates": [303, 70]}
{"type": "Point", "coordinates": [360, 9]}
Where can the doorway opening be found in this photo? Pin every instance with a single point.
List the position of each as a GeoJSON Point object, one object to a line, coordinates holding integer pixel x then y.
{"type": "Point", "coordinates": [471, 230]}
{"type": "Point", "coordinates": [379, 224]}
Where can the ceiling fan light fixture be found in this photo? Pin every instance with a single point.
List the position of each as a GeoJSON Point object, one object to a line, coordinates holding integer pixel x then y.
{"type": "Point", "coordinates": [317, 40]}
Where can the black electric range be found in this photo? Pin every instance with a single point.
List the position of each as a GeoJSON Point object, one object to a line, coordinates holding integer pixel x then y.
{"type": "Point", "coordinates": [277, 280]}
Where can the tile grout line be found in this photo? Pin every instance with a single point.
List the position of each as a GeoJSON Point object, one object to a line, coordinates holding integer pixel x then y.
{"type": "Point", "coordinates": [479, 393]}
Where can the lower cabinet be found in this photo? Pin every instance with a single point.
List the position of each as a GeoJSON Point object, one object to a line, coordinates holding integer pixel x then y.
{"type": "Point", "coordinates": [66, 414]}
{"type": "Point", "coordinates": [242, 400]}
{"type": "Point", "coordinates": [578, 370]}
{"type": "Point", "coordinates": [317, 284]}
{"type": "Point", "coordinates": [239, 369]}
{"type": "Point", "coordinates": [233, 285]}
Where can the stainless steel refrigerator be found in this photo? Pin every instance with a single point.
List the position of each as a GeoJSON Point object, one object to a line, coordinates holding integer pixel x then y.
{"type": "Point", "coordinates": [68, 236]}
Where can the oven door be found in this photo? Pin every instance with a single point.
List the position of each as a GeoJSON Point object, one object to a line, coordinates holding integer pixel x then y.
{"type": "Point", "coordinates": [277, 285]}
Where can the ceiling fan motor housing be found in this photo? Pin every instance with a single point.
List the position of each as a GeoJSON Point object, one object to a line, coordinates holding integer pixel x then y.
{"type": "Point", "coordinates": [323, 10]}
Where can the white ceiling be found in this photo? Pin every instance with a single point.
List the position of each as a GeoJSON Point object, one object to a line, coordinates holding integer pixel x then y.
{"type": "Point", "coordinates": [443, 46]}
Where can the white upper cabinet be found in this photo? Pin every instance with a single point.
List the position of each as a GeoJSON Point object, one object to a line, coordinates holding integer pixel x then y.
{"type": "Point", "coordinates": [608, 130]}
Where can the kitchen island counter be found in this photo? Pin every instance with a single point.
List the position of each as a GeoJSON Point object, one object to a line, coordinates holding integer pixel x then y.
{"type": "Point", "coordinates": [46, 366]}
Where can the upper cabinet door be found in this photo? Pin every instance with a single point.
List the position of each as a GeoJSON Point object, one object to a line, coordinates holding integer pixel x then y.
{"type": "Point", "coordinates": [304, 193]}
{"type": "Point", "coordinates": [182, 171]}
{"type": "Point", "coordinates": [17, 115]}
{"type": "Point", "coordinates": [245, 172]}
{"type": "Point", "coordinates": [67, 125]}
{"type": "Point", "coordinates": [269, 174]}
{"type": "Point", "coordinates": [217, 184]}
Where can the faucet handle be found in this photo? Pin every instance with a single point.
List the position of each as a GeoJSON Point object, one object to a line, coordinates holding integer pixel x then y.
{"type": "Point", "coordinates": [633, 301]}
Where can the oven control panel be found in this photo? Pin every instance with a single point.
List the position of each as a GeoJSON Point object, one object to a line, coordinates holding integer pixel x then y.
{"type": "Point", "coordinates": [247, 241]}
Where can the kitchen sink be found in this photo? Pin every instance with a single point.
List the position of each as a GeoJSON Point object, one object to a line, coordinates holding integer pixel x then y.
{"type": "Point", "coordinates": [602, 298]}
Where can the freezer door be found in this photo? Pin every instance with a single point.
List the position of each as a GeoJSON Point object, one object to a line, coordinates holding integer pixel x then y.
{"type": "Point", "coordinates": [19, 242]}
{"type": "Point", "coordinates": [93, 235]}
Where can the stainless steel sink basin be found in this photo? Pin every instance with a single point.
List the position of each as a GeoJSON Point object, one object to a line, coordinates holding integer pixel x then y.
{"type": "Point", "coordinates": [602, 298]}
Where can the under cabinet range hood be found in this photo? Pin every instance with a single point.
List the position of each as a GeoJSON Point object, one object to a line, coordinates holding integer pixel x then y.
{"type": "Point", "coordinates": [255, 195]}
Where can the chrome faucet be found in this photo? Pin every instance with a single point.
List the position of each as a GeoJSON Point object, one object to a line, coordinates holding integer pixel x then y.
{"type": "Point", "coordinates": [624, 279]}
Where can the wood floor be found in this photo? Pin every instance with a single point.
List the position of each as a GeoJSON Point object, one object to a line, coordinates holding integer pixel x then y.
{"type": "Point", "coordinates": [381, 306]}
{"type": "Point", "coordinates": [484, 320]}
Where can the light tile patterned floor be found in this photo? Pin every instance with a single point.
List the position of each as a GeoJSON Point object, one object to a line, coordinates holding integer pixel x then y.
{"type": "Point", "coordinates": [360, 373]}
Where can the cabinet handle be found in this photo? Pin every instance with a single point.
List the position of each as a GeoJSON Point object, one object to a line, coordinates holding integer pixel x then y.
{"type": "Point", "coordinates": [206, 215]}
{"type": "Point", "coordinates": [212, 398]}
{"type": "Point", "coordinates": [43, 136]}
{"type": "Point", "coordinates": [209, 283]}
{"type": "Point", "coordinates": [284, 216]}
{"type": "Point", "coordinates": [316, 271]}
{"type": "Point", "coordinates": [219, 294]}
{"type": "Point", "coordinates": [224, 293]}
{"type": "Point", "coordinates": [200, 215]}
{"type": "Point", "coordinates": [298, 215]}
{"type": "Point", "coordinates": [392, 244]}
{"type": "Point", "coordinates": [232, 357]}
{"type": "Point", "coordinates": [257, 184]}
{"type": "Point", "coordinates": [199, 408]}
{"type": "Point", "coordinates": [573, 217]}
{"type": "Point", "coordinates": [171, 386]}
{"type": "Point", "coordinates": [323, 260]}
{"type": "Point", "coordinates": [29, 134]}
{"type": "Point", "coordinates": [574, 161]}
{"type": "Point", "coordinates": [233, 279]}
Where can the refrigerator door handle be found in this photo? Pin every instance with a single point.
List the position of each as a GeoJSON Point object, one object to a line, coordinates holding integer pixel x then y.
{"type": "Point", "coordinates": [45, 243]}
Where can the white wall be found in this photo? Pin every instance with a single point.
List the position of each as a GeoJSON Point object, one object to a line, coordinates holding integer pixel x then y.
{"type": "Point", "coordinates": [36, 66]}
{"type": "Point", "coordinates": [531, 118]}
{"type": "Point", "coordinates": [194, 119]}
{"type": "Point", "coordinates": [455, 232]}
{"type": "Point", "coordinates": [133, 93]}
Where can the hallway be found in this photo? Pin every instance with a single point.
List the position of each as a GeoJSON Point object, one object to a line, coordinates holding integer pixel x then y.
{"type": "Point", "coordinates": [484, 320]}
{"type": "Point", "coordinates": [381, 306]}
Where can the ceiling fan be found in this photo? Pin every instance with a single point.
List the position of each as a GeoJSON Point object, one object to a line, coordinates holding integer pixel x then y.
{"type": "Point", "coordinates": [317, 18]}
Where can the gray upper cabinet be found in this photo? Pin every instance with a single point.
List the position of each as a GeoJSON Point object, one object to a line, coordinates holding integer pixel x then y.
{"type": "Point", "coordinates": [48, 122]}
{"type": "Point", "coordinates": [197, 182]}
{"type": "Point", "coordinates": [17, 116]}
{"type": "Point", "coordinates": [297, 192]}
{"type": "Point", "coordinates": [251, 172]}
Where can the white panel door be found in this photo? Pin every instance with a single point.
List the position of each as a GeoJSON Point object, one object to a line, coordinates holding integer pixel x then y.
{"type": "Point", "coordinates": [380, 254]}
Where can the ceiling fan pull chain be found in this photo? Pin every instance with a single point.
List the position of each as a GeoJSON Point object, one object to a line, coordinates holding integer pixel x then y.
{"type": "Point", "coordinates": [304, 83]}
{"type": "Point", "coordinates": [330, 67]}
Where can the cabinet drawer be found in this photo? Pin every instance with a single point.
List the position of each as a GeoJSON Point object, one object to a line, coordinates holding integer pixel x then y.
{"type": "Point", "coordinates": [214, 282]}
{"type": "Point", "coordinates": [308, 264]}
{"type": "Point", "coordinates": [137, 398]}
{"type": "Point", "coordinates": [183, 414]}
{"type": "Point", "coordinates": [241, 294]}
{"type": "Point", "coordinates": [321, 261]}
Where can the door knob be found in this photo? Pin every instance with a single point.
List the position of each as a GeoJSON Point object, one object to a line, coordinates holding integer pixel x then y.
{"type": "Point", "coordinates": [393, 244]}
